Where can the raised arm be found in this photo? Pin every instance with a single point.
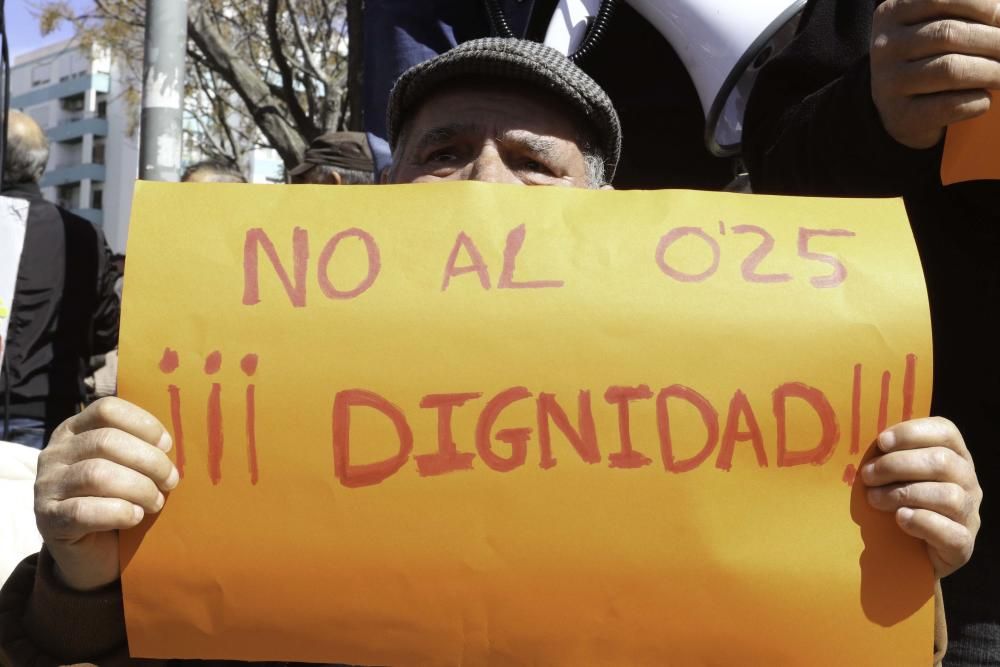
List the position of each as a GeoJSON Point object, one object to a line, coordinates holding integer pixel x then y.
{"type": "Point", "coordinates": [858, 103]}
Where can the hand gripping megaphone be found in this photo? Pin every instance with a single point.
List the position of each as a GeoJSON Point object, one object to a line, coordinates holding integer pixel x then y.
{"type": "Point", "coordinates": [722, 43]}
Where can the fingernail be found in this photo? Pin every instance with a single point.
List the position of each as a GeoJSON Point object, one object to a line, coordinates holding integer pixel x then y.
{"type": "Point", "coordinates": [172, 479]}
{"type": "Point", "coordinates": [867, 471]}
{"type": "Point", "coordinates": [165, 442]}
{"type": "Point", "coordinates": [904, 514]}
{"type": "Point", "coordinates": [887, 440]}
{"type": "Point", "coordinates": [875, 494]}
{"type": "Point", "coordinates": [160, 499]}
{"type": "Point", "coordinates": [137, 513]}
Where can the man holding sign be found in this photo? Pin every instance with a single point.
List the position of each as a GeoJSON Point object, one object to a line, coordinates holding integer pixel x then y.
{"type": "Point", "coordinates": [858, 106]}
{"type": "Point", "coordinates": [495, 111]}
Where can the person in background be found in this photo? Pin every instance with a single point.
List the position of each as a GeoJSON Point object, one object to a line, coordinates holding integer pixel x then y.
{"type": "Point", "coordinates": [212, 171]}
{"type": "Point", "coordinates": [103, 378]}
{"type": "Point", "coordinates": [65, 308]}
{"type": "Point", "coordinates": [336, 158]}
{"type": "Point", "coordinates": [858, 106]}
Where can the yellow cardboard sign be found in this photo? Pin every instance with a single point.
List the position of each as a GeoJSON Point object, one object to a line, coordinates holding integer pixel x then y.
{"type": "Point", "coordinates": [972, 149]}
{"type": "Point", "coordinates": [464, 424]}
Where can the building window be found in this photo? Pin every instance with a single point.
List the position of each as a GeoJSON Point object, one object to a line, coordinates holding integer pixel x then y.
{"type": "Point", "coordinates": [72, 108]}
{"type": "Point", "coordinates": [97, 198]}
{"type": "Point", "coordinates": [98, 156]}
{"type": "Point", "coordinates": [40, 75]}
{"type": "Point", "coordinates": [68, 195]}
{"type": "Point", "coordinates": [74, 103]}
{"type": "Point", "coordinates": [102, 105]}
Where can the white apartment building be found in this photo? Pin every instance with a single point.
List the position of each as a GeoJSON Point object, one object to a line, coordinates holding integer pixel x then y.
{"type": "Point", "coordinates": [78, 100]}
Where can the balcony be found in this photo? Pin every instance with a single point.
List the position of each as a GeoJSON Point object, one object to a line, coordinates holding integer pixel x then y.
{"type": "Point", "coordinates": [75, 129]}
{"type": "Point", "coordinates": [72, 174]}
{"type": "Point", "coordinates": [99, 82]}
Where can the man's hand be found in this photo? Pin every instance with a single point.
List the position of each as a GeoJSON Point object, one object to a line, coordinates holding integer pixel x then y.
{"type": "Point", "coordinates": [926, 476]}
{"type": "Point", "coordinates": [102, 471]}
{"type": "Point", "coordinates": [932, 63]}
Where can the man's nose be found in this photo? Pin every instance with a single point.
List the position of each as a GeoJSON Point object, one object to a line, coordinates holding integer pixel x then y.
{"type": "Point", "coordinates": [489, 167]}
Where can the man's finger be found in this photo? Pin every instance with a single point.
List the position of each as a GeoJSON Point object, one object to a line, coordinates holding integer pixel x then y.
{"type": "Point", "coordinates": [950, 542]}
{"type": "Point", "coordinates": [948, 499]}
{"type": "Point", "coordinates": [953, 36]}
{"type": "Point", "coordinates": [113, 412]}
{"type": "Point", "coordinates": [913, 12]}
{"type": "Point", "coordinates": [71, 519]}
{"type": "Point", "coordinates": [925, 433]}
{"type": "Point", "coordinates": [125, 450]}
{"type": "Point", "coordinates": [104, 479]}
{"type": "Point", "coordinates": [935, 464]}
{"type": "Point", "coordinates": [944, 109]}
{"type": "Point", "coordinates": [949, 72]}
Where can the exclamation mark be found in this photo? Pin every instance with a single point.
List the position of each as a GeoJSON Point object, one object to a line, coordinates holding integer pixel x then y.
{"type": "Point", "coordinates": [851, 472]}
{"type": "Point", "coordinates": [249, 366]}
{"type": "Point", "coordinates": [213, 362]}
{"type": "Point", "coordinates": [909, 386]}
{"type": "Point", "coordinates": [856, 411]}
{"type": "Point", "coordinates": [168, 364]}
{"type": "Point", "coordinates": [883, 402]}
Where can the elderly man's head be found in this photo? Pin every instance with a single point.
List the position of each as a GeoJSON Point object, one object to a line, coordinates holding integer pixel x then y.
{"type": "Point", "coordinates": [212, 171]}
{"type": "Point", "coordinates": [336, 158]}
{"type": "Point", "coordinates": [502, 111]}
{"type": "Point", "coordinates": [27, 150]}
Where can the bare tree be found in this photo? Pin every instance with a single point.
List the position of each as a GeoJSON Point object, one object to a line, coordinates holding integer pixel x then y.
{"type": "Point", "coordinates": [260, 72]}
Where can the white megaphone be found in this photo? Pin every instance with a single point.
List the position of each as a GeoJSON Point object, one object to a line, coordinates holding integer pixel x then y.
{"type": "Point", "coordinates": [722, 43]}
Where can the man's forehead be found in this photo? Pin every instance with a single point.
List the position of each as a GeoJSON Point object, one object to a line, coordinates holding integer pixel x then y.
{"type": "Point", "coordinates": [431, 135]}
{"type": "Point", "coordinates": [495, 106]}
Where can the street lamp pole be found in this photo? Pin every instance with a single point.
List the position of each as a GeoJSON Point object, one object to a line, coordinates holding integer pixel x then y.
{"type": "Point", "coordinates": [163, 90]}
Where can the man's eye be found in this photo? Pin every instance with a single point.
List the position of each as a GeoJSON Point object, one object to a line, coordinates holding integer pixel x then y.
{"type": "Point", "coordinates": [442, 156]}
{"type": "Point", "coordinates": [536, 166]}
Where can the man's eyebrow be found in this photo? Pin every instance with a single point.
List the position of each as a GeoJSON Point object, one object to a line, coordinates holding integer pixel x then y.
{"type": "Point", "coordinates": [441, 134]}
{"type": "Point", "coordinates": [541, 146]}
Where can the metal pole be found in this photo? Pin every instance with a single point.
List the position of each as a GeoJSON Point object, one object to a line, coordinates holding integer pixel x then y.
{"type": "Point", "coordinates": [163, 90]}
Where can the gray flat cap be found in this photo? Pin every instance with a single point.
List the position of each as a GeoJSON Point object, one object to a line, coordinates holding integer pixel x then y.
{"type": "Point", "coordinates": [513, 60]}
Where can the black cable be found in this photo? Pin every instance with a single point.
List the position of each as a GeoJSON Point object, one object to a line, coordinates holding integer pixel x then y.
{"type": "Point", "coordinates": [5, 73]}
{"type": "Point", "coordinates": [595, 31]}
{"type": "Point", "coordinates": [498, 21]}
{"type": "Point", "coordinates": [5, 58]}
{"type": "Point", "coordinates": [6, 398]}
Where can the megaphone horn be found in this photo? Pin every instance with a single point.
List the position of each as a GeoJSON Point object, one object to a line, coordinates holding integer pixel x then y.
{"type": "Point", "coordinates": [723, 44]}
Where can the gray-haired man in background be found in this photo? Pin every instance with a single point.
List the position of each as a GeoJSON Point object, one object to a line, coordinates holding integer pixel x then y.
{"type": "Point", "coordinates": [336, 158]}
{"type": "Point", "coordinates": [65, 308]}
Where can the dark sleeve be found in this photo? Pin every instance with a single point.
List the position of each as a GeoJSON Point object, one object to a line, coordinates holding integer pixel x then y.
{"type": "Point", "coordinates": [42, 622]}
{"type": "Point", "coordinates": [811, 127]}
{"type": "Point", "coordinates": [107, 312]}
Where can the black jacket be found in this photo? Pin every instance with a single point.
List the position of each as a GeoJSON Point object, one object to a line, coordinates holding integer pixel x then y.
{"type": "Point", "coordinates": [65, 309]}
{"type": "Point", "coordinates": [812, 128]}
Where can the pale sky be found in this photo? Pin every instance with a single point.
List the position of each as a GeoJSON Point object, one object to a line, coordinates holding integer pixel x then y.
{"type": "Point", "coordinates": [22, 28]}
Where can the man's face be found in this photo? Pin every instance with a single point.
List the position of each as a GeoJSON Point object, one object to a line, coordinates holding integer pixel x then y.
{"type": "Point", "coordinates": [495, 134]}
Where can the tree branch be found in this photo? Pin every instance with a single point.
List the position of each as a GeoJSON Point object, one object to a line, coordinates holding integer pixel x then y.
{"type": "Point", "coordinates": [307, 57]}
{"type": "Point", "coordinates": [248, 85]}
{"type": "Point", "coordinates": [299, 115]}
